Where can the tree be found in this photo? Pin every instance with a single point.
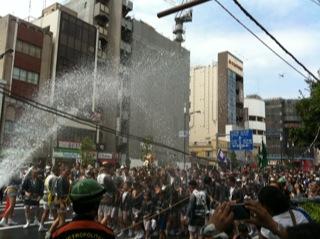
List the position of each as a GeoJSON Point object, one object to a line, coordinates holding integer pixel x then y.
{"type": "Point", "coordinates": [86, 151]}
{"type": "Point", "coordinates": [309, 111]}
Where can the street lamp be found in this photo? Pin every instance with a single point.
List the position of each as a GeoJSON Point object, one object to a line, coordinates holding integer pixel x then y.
{"type": "Point", "coordinates": [9, 51]}
{"type": "Point", "coordinates": [184, 131]}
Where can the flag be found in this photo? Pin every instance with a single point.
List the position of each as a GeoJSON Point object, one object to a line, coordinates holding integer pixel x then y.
{"type": "Point", "coordinates": [263, 160]}
{"type": "Point", "coordinates": [221, 157]}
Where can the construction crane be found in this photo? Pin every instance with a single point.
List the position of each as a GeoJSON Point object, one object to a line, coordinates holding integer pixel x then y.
{"type": "Point", "coordinates": [180, 18]}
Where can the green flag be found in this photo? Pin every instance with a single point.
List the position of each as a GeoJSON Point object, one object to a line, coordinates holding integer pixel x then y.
{"type": "Point", "coordinates": [259, 157]}
{"type": "Point", "coordinates": [263, 157]}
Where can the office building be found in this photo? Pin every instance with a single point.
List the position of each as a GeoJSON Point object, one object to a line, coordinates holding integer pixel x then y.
{"type": "Point", "coordinates": [159, 92]}
{"type": "Point", "coordinates": [217, 92]}
{"type": "Point", "coordinates": [73, 57]}
{"type": "Point", "coordinates": [24, 71]}
{"type": "Point", "coordinates": [281, 117]}
{"type": "Point", "coordinates": [255, 120]}
{"type": "Point", "coordinates": [111, 17]}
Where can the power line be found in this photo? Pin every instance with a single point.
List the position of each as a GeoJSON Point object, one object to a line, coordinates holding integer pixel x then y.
{"type": "Point", "coordinates": [259, 39]}
{"type": "Point", "coordinates": [315, 2]}
{"type": "Point", "coordinates": [83, 121]}
{"type": "Point", "coordinates": [274, 39]}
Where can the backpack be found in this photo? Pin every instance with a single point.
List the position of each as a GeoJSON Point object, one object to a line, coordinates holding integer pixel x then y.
{"type": "Point", "coordinates": [200, 208]}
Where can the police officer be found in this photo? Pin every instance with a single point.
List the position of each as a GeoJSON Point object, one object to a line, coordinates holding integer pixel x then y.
{"type": "Point", "coordinates": [85, 196]}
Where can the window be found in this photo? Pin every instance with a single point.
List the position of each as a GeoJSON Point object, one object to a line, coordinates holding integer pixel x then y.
{"type": "Point", "coordinates": [32, 77]}
{"type": "Point", "coordinates": [28, 49]}
{"type": "Point", "coordinates": [25, 48]}
{"type": "Point", "coordinates": [23, 75]}
{"type": "Point", "coordinates": [16, 73]}
{"type": "Point", "coordinates": [19, 46]}
{"type": "Point", "coordinates": [27, 76]}
{"type": "Point", "coordinates": [37, 52]}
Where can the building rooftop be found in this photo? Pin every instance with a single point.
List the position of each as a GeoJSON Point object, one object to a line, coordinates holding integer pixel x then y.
{"type": "Point", "coordinates": [57, 6]}
{"type": "Point", "coordinates": [254, 97]}
{"type": "Point", "coordinates": [45, 30]}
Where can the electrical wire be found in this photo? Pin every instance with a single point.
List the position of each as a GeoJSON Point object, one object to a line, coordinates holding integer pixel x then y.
{"type": "Point", "coordinates": [315, 2]}
{"type": "Point", "coordinates": [259, 39]}
{"type": "Point", "coordinates": [274, 39]}
{"type": "Point", "coordinates": [85, 121]}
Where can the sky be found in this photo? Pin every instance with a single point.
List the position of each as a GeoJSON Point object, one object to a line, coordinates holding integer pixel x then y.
{"type": "Point", "coordinates": [295, 23]}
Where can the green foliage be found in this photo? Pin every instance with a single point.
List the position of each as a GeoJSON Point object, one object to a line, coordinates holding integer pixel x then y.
{"type": "Point", "coordinates": [309, 111]}
{"type": "Point", "coordinates": [234, 161]}
{"type": "Point", "coordinates": [313, 209]}
{"type": "Point", "coordinates": [87, 147]}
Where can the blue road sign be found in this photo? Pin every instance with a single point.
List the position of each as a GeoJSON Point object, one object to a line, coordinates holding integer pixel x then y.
{"type": "Point", "coordinates": [241, 140]}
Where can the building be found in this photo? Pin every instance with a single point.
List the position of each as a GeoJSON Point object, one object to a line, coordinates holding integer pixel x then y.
{"type": "Point", "coordinates": [158, 92]}
{"type": "Point", "coordinates": [73, 58]}
{"type": "Point", "coordinates": [111, 17]}
{"type": "Point", "coordinates": [25, 71]}
{"type": "Point", "coordinates": [255, 120]}
{"type": "Point", "coordinates": [217, 92]}
{"type": "Point", "coordinates": [281, 116]}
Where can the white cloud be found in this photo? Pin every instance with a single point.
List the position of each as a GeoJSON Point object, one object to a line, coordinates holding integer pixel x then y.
{"type": "Point", "coordinates": [20, 8]}
{"type": "Point", "coordinates": [205, 43]}
{"type": "Point", "coordinates": [274, 8]}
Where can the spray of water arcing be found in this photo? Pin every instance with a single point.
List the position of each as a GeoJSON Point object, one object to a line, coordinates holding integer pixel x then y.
{"type": "Point", "coordinates": [34, 129]}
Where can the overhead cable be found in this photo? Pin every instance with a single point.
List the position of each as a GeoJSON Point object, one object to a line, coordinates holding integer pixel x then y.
{"type": "Point", "coordinates": [274, 39]}
{"type": "Point", "coordinates": [259, 39]}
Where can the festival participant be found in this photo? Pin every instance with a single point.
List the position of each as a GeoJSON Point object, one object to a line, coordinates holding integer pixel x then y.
{"type": "Point", "coordinates": [105, 209]}
{"type": "Point", "coordinates": [197, 210]}
{"type": "Point", "coordinates": [278, 205]}
{"type": "Point", "coordinates": [48, 198]}
{"type": "Point", "coordinates": [61, 190]}
{"type": "Point", "coordinates": [85, 196]}
{"type": "Point", "coordinates": [33, 189]}
{"type": "Point", "coordinates": [11, 191]}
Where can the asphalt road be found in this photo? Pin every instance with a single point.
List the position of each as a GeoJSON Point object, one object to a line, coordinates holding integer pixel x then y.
{"type": "Point", "coordinates": [17, 231]}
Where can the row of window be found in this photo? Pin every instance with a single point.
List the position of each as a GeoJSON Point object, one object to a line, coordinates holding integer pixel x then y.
{"type": "Point", "coordinates": [256, 118]}
{"type": "Point", "coordinates": [28, 49]}
{"type": "Point", "coordinates": [258, 132]}
{"type": "Point", "coordinates": [27, 76]}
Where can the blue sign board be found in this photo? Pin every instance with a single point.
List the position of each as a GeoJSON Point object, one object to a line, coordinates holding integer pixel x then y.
{"type": "Point", "coordinates": [241, 140]}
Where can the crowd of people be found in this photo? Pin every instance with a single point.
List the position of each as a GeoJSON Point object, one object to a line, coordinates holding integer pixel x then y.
{"type": "Point", "coordinates": [148, 202]}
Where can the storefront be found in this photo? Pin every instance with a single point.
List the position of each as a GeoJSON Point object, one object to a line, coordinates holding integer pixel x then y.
{"type": "Point", "coordinates": [70, 152]}
{"type": "Point", "coordinates": [108, 158]}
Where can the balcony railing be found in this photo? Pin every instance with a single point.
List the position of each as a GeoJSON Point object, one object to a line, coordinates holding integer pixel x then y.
{"type": "Point", "coordinates": [127, 24]}
{"type": "Point", "coordinates": [101, 11]}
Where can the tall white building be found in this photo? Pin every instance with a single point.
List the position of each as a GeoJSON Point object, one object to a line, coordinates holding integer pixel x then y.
{"type": "Point", "coordinates": [216, 91]}
{"type": "Point", "coordinates": [255, 120]}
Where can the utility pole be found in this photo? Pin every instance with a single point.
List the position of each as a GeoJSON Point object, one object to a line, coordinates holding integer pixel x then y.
{"type": "Point", "coordinates": [281, 146]}
{"type": "Point", "coordinates": [181, 7]}
{"type": "Point", "coordinates": [184, 135]}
